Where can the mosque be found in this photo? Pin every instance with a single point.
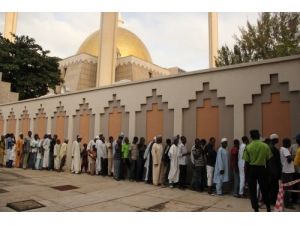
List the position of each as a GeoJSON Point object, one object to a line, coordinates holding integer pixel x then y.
{"type": "Point", "coordinates": [133, 62]}
{"type": "Point", "coordinates": [112, 86]}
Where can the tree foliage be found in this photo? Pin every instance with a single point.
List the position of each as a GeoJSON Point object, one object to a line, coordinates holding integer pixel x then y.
{"type": "Point", "coordinates": [273, 35]}
{"type": "Point", "coordinates": [29, 68]}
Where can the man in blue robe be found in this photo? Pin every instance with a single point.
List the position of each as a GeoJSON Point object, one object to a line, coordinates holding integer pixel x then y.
{"type": "Point", "coordinates": [221, 173]}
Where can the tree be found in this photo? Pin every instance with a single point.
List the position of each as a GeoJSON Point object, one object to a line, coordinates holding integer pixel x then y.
{"type": "Point", "coordinates": [28, 67]}
{"type": "Point", "coordinates": [274, 35]}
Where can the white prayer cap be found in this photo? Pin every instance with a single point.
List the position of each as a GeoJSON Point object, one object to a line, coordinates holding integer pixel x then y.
{"type": "Point", "coordinates": [122, 134]}
{"type": "Point", "coordinates": [154, 138]}
{"type": "Point", "coordinates": [274, 136]}
{"type": "Point", "coordinates": [79, 137]}
{"type": "Point", "coordinates": [97, 137]}
{"type": "Point", "coordinates": [48, 133]}
{"type": "Point", "coordinates": [223, 140]}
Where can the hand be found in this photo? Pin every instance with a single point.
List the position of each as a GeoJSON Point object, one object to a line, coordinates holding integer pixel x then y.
{"type": "Point", "coordinates": [221, 172]}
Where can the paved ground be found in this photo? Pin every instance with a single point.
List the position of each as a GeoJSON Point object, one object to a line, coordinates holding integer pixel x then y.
{"type": "Point", "coordinates": [96, 193]}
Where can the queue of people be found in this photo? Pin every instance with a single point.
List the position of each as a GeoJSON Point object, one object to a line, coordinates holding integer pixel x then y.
{"type": "Point", "coordinates": [255, 168]}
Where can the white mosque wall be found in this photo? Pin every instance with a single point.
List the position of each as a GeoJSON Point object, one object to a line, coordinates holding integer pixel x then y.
{"type": "Point", "coordinates": [234, 87]}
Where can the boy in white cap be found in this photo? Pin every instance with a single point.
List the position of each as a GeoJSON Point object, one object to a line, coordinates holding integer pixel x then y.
{"type": "Point", "coordinates": [221, 168]}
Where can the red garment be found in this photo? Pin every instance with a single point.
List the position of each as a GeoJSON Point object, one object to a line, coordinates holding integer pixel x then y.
{"type": "Point", "coordinates": [234, 153]}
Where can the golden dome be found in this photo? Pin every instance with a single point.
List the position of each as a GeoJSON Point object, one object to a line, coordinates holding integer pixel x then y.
{"type": "Point", "coordinates": [127, 44]}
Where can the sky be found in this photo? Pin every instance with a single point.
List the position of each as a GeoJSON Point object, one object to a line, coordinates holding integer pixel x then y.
{"type": "Point", "coordinates": [173, 39]}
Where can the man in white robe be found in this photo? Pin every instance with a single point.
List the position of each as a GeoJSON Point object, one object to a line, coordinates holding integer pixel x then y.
{"type": "Point", "coordinates": [221, 173]}
{"type": "Point", "coordinates": [56, 154]}
{"type": "Point", "coordinates": [157, 153]}
{"type": "Point", "coordinates": [174, 154]}
{"type": "Point", "coordinates": [148, 161]}
{"type": "Point", "coordinates": [99, 154]}
{"type": "Point", "coordinates": [76, 160]}
{"type": "Point", "coordinates": [241, 164]}
{"type": "Point", "coordinates": [63, 154]}
{"type": "Point", "coordinates": [46, 146]}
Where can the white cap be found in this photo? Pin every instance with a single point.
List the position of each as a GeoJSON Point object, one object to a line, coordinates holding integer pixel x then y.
{"type": "Point", "coordinates": [274, 136]}
{"type": "Point", "coordinates": [97, 137]}
{"type": "Point", "coordinates": [79, 137]}
{"type": "Point", "coordinates": [223, 140]}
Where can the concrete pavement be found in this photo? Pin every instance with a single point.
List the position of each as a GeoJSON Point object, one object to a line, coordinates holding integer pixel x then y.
{"type": "Point", "coordinates": [104, 194]}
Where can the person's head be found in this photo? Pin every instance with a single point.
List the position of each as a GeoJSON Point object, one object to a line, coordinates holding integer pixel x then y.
{"type": "Point", "coordinates": [58, 141]}
{"type": "Point", "coordinates": [224, 142]}
{"type": "Point", "coordinates": [79, 138]}
{"type": "Point", "coordinates": [29, 133]}
{"type": "Point", "coordinates": [94, 148]}
{"type": "Point", "coordinates": [236, 143]}
{"type": "Point", "coordinates": [96, 138]}
{"type": "Point", "coordinates": [183, 140]}
{"type": "Point", "coordinates": [85, 146]}
{"type": "Point", "coordinates": [21, 136]}
{"type": "Point", "coordinates": [274, 138]}
{"type": "Point", "coordinates": [36, 137]}
{"type": "Point", "coordinates": [135, 140]}
{"type": "Point", "coordinates": [111, 139]}
{"type": "Point", "coordinates": [298, 139]}
{"type": "Point", "coordinates": [55, 136]}
{"type": "Point", "coordinates": [245, 140]}
{"type": "Point", "coordinates": [142, 141]}
{"type": "Point", "coordinates": [154, 139]}
{"type": "Point", "coordinates": [103, 139]}
{"type": "Point", "coordinates": [212, 141]}
{"type": "Point", "coordinates": [100, 136]}
{"type": "Point", "coordinates": [203, 142]}
{"type": "Point", "coordinates": [126, 140]}
{"type": "Point", "coordinates": [175, 141]}
{"type": "Point", "coordinates": [119, 141]}
{"type": "Point", "coordinates": [159, 139]}
{"type": "Point", "coordinates": [197, 142]}
{"type": "Point", "coordinates": [286, 142]}
{"type": "Point", "coordinates": [66, 141]}
{"type": "Point", "coordinates": [45, 136]}
{"type": "Point", "coordinates": [268, 141]}
{"type": "Point", "coordinates": [254, 134]}
{"type": "Point", "coordinates": [168, 141]}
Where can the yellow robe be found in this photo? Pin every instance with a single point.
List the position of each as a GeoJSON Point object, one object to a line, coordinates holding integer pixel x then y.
{"type": "Point", "coordinates": [157, 153]}
{"type": "Point", "coordinates": [19, 152]}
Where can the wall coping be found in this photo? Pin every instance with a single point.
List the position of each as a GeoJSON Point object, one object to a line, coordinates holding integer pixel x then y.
{"type": "Point", "coordinates": [177, 76]}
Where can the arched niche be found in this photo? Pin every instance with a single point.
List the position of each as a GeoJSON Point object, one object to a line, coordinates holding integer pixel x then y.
{"type": "Point", "coordinates": [60, 123]}
{"type": "Point", "coordinates": [11, 123]}
{"type": "Point", "coordinates": [207, 116]}
{"type": "Point", "coordinates": [275, 110]}
{"type": "Point", "coordinates": [114, 120]}
{"type": "Point", "coordinates": [40, 122]}
{"type": "Point", "coordinates": [1, 124]}
{"type": "Point", "coordinates": [24, 122]}
{"type": "Point", "coordinates": [154, 118]}
{"type": "Point", "coordinates": [84, 122]}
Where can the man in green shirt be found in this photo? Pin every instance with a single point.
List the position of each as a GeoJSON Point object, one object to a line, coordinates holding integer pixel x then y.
{"type": "Point", "coordinates": [125, 157]}
{"type": "Point", "coordinates": [256, 156]}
